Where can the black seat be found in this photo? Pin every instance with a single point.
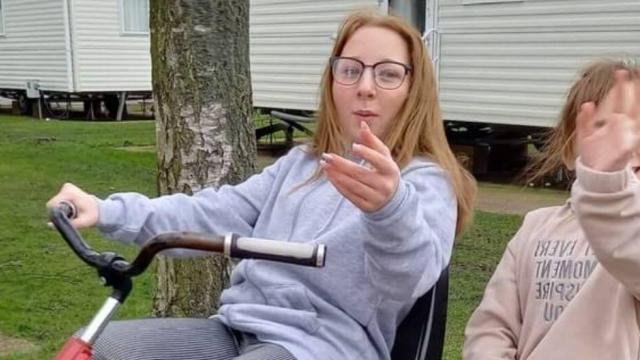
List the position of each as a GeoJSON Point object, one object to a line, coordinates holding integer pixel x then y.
{"type": "Point", "coordinates": [420, 336]}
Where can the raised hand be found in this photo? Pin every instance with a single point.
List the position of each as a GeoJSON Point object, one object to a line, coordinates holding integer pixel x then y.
{"type": "Point", "coordinates": [609, 135]}
{"type": "Point", "coordinates": [369, 186]}
{"type": "Point", "coordinates": [85, 204]}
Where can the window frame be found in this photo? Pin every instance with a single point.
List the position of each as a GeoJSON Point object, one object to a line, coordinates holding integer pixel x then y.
{"type": "Point", "coordinates": [2, 21]}
{"type": "Point", "coordinates": [123, 28]}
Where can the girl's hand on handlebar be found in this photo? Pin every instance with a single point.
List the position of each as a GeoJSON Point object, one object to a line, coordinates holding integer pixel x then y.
{"type": "Point", "coordinates": [85, 204]}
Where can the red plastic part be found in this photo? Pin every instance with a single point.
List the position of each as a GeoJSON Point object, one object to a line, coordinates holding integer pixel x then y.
{"type": "Point", "coordinates": [75, 349]}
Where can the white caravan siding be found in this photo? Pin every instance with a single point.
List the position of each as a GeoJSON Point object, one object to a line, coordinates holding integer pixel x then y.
{"type": "Point", "coordinates": [104, 58]}
{"type": "Point", "coordinates": [33, 45]}
{"type": "Point", "coordinates": [290, 43]}
{"type": "Point", "coordinates": [512, 62]}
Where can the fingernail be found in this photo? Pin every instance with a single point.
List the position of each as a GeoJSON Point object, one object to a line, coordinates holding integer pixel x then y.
{"type": "Point", "coordinates": [323, 163]}
{"type": "Point", "coordinates": [356, 146]}
{"type": "Point", "coordinates": [326, 157]}
{"type": "Point", "coordinates": [363, 125]}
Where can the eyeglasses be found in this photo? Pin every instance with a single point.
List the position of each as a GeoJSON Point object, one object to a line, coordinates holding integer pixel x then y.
{"type": "Point", "coordinates": [388, 75]}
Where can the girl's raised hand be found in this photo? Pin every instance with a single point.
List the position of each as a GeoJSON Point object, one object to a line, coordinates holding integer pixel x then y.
{"type": "Point", "coordinates": [369, 186]}
{"type": "Point", "coordinates": [609, 135]}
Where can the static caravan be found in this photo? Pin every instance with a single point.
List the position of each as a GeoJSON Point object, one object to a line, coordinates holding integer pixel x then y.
{"type": "Point", "coordinates": [97, 50]}
{"type": "Point", "coordinates": [498, 61]}
{"type": "Point", "coordinates": [93, 50]}
{"type": "Point", "coordinates": [503, 66]}
{"type": "Point", "coordinates": [510, 62]}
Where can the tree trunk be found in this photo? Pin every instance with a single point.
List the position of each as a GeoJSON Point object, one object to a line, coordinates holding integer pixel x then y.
{"type": "Point", "coordinates": [205, 135]}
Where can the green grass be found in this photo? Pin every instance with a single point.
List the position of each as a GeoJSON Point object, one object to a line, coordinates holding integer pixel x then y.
{"type": "Point", "coordinates": [475, 256]}
{"type": "Point", "coordinates": [46, 293]}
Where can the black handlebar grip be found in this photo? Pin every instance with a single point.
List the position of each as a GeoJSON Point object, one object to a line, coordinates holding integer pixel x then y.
{"type": "Point", "coordinates": [68, 209]}
{"type": "Point", "coordinates": [283, 251]}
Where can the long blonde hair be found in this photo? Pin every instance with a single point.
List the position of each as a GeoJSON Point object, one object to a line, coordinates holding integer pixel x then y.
{"type": "Point", "coordinates": [418, 130]}
{"type": "Point", "coordinates": [559, 151]}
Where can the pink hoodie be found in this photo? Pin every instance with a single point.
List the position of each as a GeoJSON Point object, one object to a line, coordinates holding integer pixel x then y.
{"type": "Point", "coordinates": [568, 283]}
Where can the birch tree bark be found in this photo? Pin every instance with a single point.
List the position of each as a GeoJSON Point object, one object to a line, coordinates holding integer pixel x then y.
{"type": "Point", "coordinates": [205, 135]}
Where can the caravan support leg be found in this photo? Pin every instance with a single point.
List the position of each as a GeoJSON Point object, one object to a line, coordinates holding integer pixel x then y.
{"type": "Point", "coordinates": [122, 101]}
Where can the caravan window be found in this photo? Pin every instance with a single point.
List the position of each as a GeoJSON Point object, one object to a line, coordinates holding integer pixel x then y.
{"type": "Point", "coordinates": [135, 16]}
{"type": "Point", "coordinates": [1, 19]}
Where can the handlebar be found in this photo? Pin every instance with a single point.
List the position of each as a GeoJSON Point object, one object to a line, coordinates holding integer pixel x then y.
{"type": "Point", "coordinates": [231, 245]}
{"type": "Point", "coordinates": [59, 216]}
{"type": "Point", "coordinates": [117, 272]}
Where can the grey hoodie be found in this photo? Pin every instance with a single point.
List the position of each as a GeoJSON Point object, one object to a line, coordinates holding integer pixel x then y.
{"type": "Point", "coordinates": [377, 263]}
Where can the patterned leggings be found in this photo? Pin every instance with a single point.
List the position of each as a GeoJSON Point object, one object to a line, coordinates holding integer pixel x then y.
{"type": "Point", "coordinates": [177, 339]}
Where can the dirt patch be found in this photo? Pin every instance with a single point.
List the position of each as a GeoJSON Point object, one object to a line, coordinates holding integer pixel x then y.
{"type": "Point", "coordinates": [512, 199]}
{"type": "Point", "coordinates": [140, 148]}
{"type": "Point", "coordinates": [11, 345]}
{"type": "Point", "coordinates": [495, 198]}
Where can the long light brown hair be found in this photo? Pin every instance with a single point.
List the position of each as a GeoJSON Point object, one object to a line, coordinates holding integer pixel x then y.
{"type": "Point", "coordinates": [418, 129]}
{"type": "Point", "coordinates": [559, 152]}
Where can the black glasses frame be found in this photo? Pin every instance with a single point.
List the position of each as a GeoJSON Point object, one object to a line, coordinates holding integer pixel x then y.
{"type": "Point", "coordinates": [334, 59]}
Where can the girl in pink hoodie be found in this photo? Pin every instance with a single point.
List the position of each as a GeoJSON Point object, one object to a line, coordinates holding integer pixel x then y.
{"type": "Point", "coordinates": [568, 284]}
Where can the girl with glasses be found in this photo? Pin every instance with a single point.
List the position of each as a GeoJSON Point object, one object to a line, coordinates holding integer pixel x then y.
{"type": "Point", "coordinates": [378, 185]}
